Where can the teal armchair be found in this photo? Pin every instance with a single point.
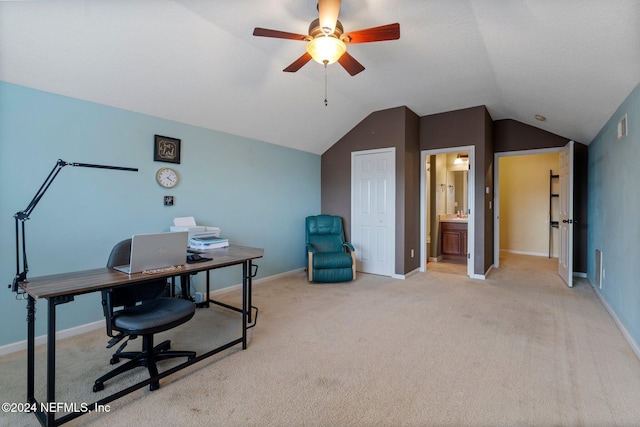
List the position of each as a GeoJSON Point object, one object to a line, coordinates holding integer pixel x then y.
{"type": "Point", "coordinates": [329, 257]}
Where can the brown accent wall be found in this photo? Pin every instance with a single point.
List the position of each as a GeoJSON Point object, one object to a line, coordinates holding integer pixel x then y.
{"type": "Point", "coordinates": [469, 126]}
{"type": "Point", "coordinates": [511, 135]}
{"type": "Point", "coordinates": [396, 127]}
{"type": "Point", "coordinates": [412, 193]}
{"type": "Point", "coordinates": [488, 198]}
{"type": "Point", "coordinates": [401, 128]}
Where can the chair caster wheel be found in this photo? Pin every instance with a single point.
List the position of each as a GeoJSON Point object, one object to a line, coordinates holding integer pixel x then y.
{"type": "Point", "coordinates": [114, 360]}
{"type": "Point", "coordinates": [98, 387]}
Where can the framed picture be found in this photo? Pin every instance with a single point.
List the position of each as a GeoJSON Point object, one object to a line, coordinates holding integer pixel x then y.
{"type": "Point", "coordinates": [166, 149]}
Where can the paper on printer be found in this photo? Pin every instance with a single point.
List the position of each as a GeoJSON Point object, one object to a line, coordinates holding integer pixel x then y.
{"type": "Point", "coordinates": [188, 223]}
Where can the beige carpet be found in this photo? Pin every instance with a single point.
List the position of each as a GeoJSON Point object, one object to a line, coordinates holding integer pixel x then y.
{"type": "Point", "coordinates": [437, 349]}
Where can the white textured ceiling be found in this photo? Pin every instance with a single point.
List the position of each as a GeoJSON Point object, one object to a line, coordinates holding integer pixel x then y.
{"type": "Point", "coordinates": [196, 61]}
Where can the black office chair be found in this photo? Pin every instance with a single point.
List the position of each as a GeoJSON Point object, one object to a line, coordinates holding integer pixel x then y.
{"type": "Point", "coordinates": [143, 311]}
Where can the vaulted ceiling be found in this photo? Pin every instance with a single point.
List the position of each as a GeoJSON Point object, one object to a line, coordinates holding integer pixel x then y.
{"type": "Point", "coordinates": [196, 61]}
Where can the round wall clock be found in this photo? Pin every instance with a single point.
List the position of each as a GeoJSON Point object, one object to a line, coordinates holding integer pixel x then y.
{"type": "Point", "coordinates": [167, 177]}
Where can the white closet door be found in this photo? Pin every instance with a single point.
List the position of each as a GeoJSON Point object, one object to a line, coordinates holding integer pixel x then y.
{"type": "Point", "coordinates": [373, 210]}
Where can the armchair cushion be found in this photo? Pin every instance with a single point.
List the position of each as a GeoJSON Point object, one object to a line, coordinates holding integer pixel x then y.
{"type": "Point", "coordinates": [326, 243]}
{"type": "Point", "coordinates": [331, 260]}
{"type": "Point", "coordinates": [332, 275]}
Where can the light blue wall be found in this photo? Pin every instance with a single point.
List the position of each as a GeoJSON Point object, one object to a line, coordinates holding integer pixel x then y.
{"type": "Point", "coordinates": [614, 213]}
{"type": "Point", "coordinates": [257, 193]}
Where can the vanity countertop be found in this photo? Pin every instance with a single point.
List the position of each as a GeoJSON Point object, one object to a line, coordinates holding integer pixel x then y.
{"type": "Point", "coordinates": [453, 218]}
{"type": "Point", "coordinates": [462, 220]}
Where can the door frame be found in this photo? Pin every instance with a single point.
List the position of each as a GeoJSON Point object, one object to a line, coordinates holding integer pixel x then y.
{"type": "Point", "coordinates": [424, 188]}
{"type": "Point", "coordinates": [392, 210]}
{"type": "Point", "coordinates": [496, 193]}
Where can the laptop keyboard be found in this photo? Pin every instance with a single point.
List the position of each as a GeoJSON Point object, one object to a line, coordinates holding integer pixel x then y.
{"type": "Point", "coordinates": [164, 269]}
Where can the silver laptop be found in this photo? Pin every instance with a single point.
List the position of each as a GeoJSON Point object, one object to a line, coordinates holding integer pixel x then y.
{"type": "Point", "coordinates": [156, 250]}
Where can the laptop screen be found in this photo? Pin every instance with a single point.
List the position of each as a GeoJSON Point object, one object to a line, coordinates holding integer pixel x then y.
{"type": "Point", "coordinates": [156, 250]}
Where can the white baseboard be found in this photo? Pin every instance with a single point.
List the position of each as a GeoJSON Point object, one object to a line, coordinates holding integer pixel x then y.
{"type": "Point", "coordinates": [77, 330]}
{"type": "Point", "coordinates": [482, 276]}
{"type": "Point", "coordinates": [509, 251]}
{"type": "Point", "coordinates": [479, 276]}
{"type": "Point", "coordinates": [42, 339]}
{"type": "Point", "coordinates": [625, 333]}
{"type": "Point", "coordinates": [405, 276]}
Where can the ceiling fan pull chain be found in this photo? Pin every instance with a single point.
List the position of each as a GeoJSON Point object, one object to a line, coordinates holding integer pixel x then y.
{"type": "Point", "coordinates": [325, 83]}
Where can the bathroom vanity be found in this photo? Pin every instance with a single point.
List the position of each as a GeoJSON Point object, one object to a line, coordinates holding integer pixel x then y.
{"type": "Point", "coordinates": [453, 238]}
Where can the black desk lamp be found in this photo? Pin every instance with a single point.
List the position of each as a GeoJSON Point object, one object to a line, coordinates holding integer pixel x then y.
{"type": "Point", "coordinates": [21, 275]}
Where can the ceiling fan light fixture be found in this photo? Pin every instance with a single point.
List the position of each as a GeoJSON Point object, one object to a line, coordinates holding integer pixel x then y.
{"type": "Point", "coordinates": [326, 49]}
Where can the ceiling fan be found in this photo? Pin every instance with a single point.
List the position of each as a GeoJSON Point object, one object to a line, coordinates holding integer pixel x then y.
{"type": "Point", "coordinates": [326, 41]}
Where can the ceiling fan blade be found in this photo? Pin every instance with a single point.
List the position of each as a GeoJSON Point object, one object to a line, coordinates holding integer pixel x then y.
{"type": "Point", "coordinates": [375, 34]}
{"type": "Point", "coordinates": [298, 63]}
{"type": "Point", "coordinates": [265, 32]}
{"type": "Point", "coordinates": [350, 64]}
{"type": "Point", "coordinates": [328, 11]}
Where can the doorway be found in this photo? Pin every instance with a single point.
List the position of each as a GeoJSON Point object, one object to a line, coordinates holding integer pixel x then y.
{"type": "Point", "coordinates": [446, 193]}
{"type": "Point", "coordinates": [526, 204]}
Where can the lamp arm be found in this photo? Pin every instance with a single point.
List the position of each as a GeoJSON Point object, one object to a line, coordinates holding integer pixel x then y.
{"type": "Point", "coordinates": [89, 165]}
{"type": "Point", "coordinates": [23, 215]}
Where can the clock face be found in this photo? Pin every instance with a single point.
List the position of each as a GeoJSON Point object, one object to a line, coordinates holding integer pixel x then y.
{"type": "Point", "coordinates": [167, 177]}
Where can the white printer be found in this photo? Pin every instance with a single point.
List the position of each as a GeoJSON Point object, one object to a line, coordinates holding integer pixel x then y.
{"type": "Point", "coordinates": [188, 223]}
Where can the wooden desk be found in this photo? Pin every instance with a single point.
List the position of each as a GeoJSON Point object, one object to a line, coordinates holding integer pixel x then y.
{"type": "Point", "coordinates": [62, 288]}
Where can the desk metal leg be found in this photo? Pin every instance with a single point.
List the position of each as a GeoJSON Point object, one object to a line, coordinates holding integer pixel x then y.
{"type": "Point", "coordinates": [245, 280]}
{"type": "Point", "coordinates": [31, 336]}
{"type": "Point", "coordinates": [250, 289]}
{"type": "Point", "coordinates": [51, 359]}
{"type": "Point", "coordinates": [206, 297]}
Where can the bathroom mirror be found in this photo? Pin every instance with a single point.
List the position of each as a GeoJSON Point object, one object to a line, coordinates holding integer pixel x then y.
{"type": "Point", "coordinates": [456, 190]}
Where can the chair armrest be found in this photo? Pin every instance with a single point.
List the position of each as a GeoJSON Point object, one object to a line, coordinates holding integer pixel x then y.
{"type": "Point", "coordinates": [353, 257]}
{"type": "Point", "coordinates": [310, 252]}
